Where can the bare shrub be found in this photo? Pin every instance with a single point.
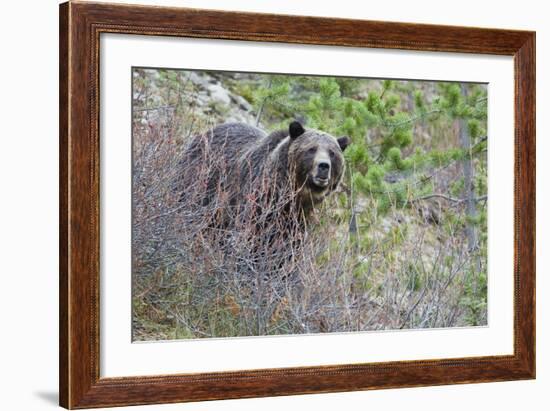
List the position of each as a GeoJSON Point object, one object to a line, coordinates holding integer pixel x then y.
{"type": "Point", "coordinates": [248, 276]}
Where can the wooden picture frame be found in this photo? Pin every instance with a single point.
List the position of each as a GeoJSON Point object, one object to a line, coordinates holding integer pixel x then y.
{"type": "Point", "coordinates": [80, 27]}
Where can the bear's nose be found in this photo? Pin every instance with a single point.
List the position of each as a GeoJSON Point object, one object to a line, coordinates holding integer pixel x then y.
{"type": "Point", "coordinates": [324, 166]}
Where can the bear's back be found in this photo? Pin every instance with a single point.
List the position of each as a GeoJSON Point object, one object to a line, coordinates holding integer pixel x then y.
{"type": "Point", "coordinates": [232, 139]}
{"type": "Point", "coordinates": [227, 141]}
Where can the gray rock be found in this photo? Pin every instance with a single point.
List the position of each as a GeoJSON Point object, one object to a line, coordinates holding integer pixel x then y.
{"type": "Point", "coordinates": [218, 92]}
{"type": "Point", "coordinates": [241, 102]}
{"type": "Point", "coordinates": [200, 80]}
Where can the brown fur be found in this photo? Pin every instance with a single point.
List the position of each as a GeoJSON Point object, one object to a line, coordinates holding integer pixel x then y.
{"type": "Point", "coordinates": [276, 165]}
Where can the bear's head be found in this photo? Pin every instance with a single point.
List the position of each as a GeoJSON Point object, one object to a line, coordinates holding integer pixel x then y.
{"type": "Point", "coordinates": [317, 162]}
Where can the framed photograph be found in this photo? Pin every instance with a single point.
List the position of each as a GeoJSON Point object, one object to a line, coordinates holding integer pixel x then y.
{"type": "Point", "coordinates": [259, 205]}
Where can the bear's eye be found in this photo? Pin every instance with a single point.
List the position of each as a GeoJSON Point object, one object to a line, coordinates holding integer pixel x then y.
{"type": "Point", "coordinates": [312, 150]}
{"type": "Point", "coordinates": [331, 154]}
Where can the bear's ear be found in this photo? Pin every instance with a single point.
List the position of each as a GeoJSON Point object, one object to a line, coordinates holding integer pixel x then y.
{"type": "Point", "coordinates": [295, 130]}
{"type": "Point", "coordinates": [343, 142]}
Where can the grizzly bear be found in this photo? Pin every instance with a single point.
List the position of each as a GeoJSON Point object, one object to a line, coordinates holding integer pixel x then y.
{"type": "Point", "coordinates": [289, 171]}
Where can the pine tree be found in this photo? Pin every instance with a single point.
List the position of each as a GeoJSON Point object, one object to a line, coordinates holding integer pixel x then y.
{"type": "Point", "coordinates": [388, 164]}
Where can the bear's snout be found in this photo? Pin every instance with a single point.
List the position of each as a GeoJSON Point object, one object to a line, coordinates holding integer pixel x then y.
{"type": "Point", "coordinates": [323, 170]}
{"type": "Point", "coordinates": [321, 174]}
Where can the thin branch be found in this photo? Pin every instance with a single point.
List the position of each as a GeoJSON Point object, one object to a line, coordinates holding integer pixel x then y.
{"type": "Point", "coordinates": [156, 108]}
{"type": "Point", "coordinates": [413, 119]}
{"type": "Point", "coordinates": [261, 110]}
{"type": "Point", "coordinates": [448, 198]}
